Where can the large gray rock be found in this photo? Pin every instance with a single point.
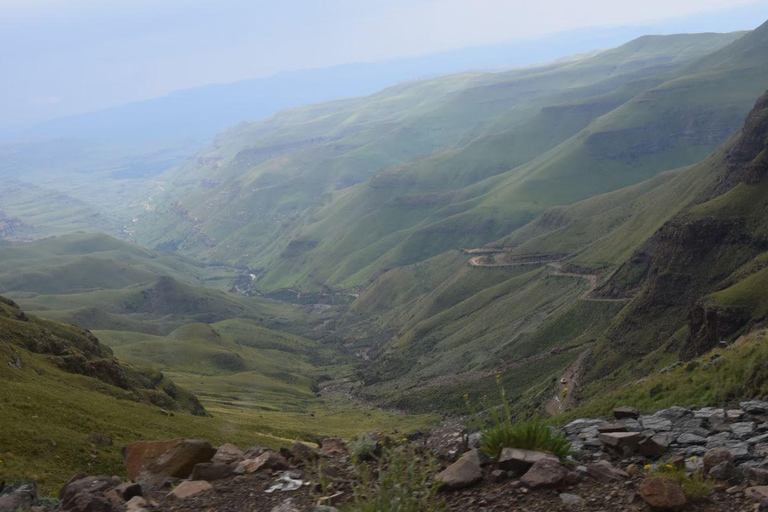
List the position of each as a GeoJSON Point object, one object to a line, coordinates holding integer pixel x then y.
{"type": "Point", "coordinates": [656, 423]}
{"type": "Point", "coordinates": [743, 429]}
{"type": "Point", "coordinates": [754, 407]}
{"type": "Point", "coordinates": [716, 456]}
{"type": "Point", "coordinates": [461, 473]}
{"type": "Point", "coordinates": [520, 461]}
{"type": "Point", "coordinates": [687, 439]}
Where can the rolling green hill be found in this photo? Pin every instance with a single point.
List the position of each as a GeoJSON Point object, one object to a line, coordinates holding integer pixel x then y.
{"type": "Point", "coordinates": [333, 194]}
{"type": "Point", "coordinates": [412, 212]}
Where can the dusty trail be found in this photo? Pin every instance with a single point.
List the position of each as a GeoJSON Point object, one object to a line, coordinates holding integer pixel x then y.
{"type": "Point", "coordinates": [500, 259]}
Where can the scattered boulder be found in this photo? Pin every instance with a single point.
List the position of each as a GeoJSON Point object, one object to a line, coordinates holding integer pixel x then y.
{"type": "Point", "coordinates": [136, 504]}
{"type": "Point", "coordinates": [605, 472]}
{"type": "Point", "coordinates": [662, 494]}
{"type": "Point", "coordinates": [520, 461]}
{"type": "Point", "coordinates": [724, 472]}
{"type": "Point", "coordinates": [716, 456]}
{"type": "Point", "coordinates": [189, 488]}
{"type": "Point", "coordinates": [255, 451]}
{"type": "Point", "coordinates": [87, 493]}
{"type": "Point", "coordinates": [627, 441]}
{"type": "Point", "coordinates": [546, 472]}
{"type": "Point", "coordinates": [654, 446]}
{"type": "Point", "coordinates": [149, 462]}
{"type": "Point", "coordinates": [448, 440]}
{"type": "Point", "coordinates": [211, 471]}
{"type": "Point", "coordinates": [22, 497]}
{"type": "Point", "coordinates": [461, 473]}
{"type": "Point", "coordinates": [267, 460]}
{"type": "Point", "coordinates": [754, 476]}
{"type": "Point", "coordinates": [333, 446]}
{"type": "Point", "coordinates": [621, 413]}
{"type": "Point", "coordinates": [228, 454]}
{"type": "Point", "coordinates": [754, 407]}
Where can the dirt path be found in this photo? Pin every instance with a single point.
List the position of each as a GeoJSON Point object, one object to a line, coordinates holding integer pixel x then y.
{"type": "Point", "coordinates": [566, 386]}
{"type": "Point", "coordinates": [499, 258]}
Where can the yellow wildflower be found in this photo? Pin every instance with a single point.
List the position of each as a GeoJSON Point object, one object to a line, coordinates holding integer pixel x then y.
{"type": "Point", "coordinates": [647, 467]}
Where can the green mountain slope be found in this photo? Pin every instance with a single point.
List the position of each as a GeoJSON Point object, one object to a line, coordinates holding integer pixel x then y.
{"type": "Point", "coordinates": [405, 214]}
{"type": "Point", "coordinates": [299, 194]}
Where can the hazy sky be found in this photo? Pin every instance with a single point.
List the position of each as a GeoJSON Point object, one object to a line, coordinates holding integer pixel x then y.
{"type": "Point", "coordinates": [66, 56]}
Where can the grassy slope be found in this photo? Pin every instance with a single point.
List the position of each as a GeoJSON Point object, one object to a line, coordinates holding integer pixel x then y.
{"type": "Point", "coordinates": [289, 160]}
{"type": "Point", "coordinates": [663, 127]}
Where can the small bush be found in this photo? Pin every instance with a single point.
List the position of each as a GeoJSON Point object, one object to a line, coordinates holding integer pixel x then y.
{"type": "Point", "coordinates": [499, 431]}
{"type": "Point", "coordinates": [400, 480]}
{"type": "Point", "coordinates": [528, 435]}
{"type": "Point", "coordinates": [695, 486]}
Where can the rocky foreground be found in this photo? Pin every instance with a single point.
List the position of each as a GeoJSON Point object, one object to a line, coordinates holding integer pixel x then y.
{"type": "Point", "coordinates": [632, 463]}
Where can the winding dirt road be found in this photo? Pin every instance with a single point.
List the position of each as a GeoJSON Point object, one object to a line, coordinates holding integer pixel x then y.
{"type": "Point", "coordinates": [499, 258]}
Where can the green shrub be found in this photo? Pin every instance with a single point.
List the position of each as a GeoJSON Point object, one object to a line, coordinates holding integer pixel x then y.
{"type": "Point", "coordinates": [400, 480]}
{"type": "Point", "coordinates": [695, 486]}
{"type": "Point", "coordinates": [499, 431]}
{"type": "Point", "coordinates": [534, 434]}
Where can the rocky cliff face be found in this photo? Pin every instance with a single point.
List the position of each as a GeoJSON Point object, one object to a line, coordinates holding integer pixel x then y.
{"type": "Point", "coordinates": [78, 351]}
{"type": "Point", "coordinates": [697, 253]}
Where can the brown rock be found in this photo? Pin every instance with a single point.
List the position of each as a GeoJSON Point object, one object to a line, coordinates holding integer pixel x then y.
{"type": "Point", "coordinates": [622, 440]}
{"type": "Point", "coordinates": [228, 454]}
{"type": "Point", "coordinates": [654, 446]}
{"type": "Point", "coordinates": [448, 440]}
{"type": "Point", "coordinates": [255, 451]}
{"type": "Point", "coordinates": [605, 472]}
{"type": "Point", "coordinates": [22, 498]}
{"type": "Point", "coordinates": [211, 471]}
{"type": "Point", "coordinates": [758, 493]}
{"type": "Point", "coordinates": [333, 446]}
{"type": "Point", "coordinates": [632, 470]}
{"type": "Point", "coordinates": [460, 474]}
{"type": "Point", "coordinates": [755, 476]}
{"type": "Point", "coordinates": [662, 494]}
{"type": "Point", "coordinates": [76, 494]}
{"type": "Point", "coordinates": [267, 460]}
{"type": "Point", "coordinates": [149, 462]}
{"type": "Point", "coordinates": [621, 413]}
{"type": "Point", "coordinates": [190, 488]}
{"type": "Point", "coordinates": [136, 504]}
{"type": "Point", "coordinates": [546, 473]}
{"type": "Point", "coordinates": [520, 461]}
{"type": "Point", "coordinates": [715, 456]}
